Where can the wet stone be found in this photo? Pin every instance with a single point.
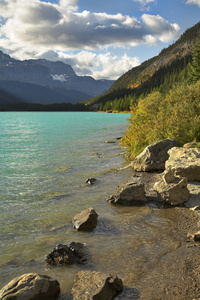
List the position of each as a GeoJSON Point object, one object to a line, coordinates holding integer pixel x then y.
{"type": "Point", "coordinates": [96, 285]}
{"type": "Point", "coordinates": [73, 253]}
{"type": "Point", "coordinates": [85, 220]}
{"type": "Point", "coordinates": [90, 180]}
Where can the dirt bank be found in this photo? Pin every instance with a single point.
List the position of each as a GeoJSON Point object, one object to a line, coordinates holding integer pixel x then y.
{"type": "Point", "coordinates": [175, 273]}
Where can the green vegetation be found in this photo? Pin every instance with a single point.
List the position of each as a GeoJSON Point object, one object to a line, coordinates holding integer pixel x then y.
{"type": "Point", "coordinates": [162, 81]}
{"type": "Point", "coordinates": [156, 117]}
{"type": "Point", "coordinates": [167, 113]}
{"type": "Point", "coordinates": [159, 73]}
{"type": "Point", "coordinates": [195, 64]}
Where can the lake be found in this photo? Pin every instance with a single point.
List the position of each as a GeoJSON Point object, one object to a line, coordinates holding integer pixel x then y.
{"type": "Point", "coordinates": [45, 159]}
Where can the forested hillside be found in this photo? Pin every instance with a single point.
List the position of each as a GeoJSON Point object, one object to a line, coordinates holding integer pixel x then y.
{"type": "Point", "coordinates": [167, 115]}
{"type": "Point", "coordinates": [159, 73]}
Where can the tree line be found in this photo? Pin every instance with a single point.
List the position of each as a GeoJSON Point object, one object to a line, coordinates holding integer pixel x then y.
{"type": "Point", "coordinates": [173, 114]}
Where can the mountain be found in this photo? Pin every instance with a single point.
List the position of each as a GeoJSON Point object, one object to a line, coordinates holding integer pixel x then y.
{"type": "Point", "coordinates": [7, 97]}
{"type": "Point", "coordinates": [157, 73]}
{"type": "Point", "coordinates": [45, 82]}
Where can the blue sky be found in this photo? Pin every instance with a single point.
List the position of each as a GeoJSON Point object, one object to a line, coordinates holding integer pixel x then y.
{"type": "Point", "coordinates": [103, 39]}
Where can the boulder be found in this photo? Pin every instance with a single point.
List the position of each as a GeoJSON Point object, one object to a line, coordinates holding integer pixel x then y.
{"type": "Point", "coordinates": [184, 162]}
{"type": "Point", "coordinates": [90, 180]}
{"type": "Point", "coordinates": [73, 253]}
{"type": "Point", "coordinates": [129, 194]}
{"type": "Point", "coordinates": [31, 286]}
{"type": "Point", "coordinates": [86, 220]}
{"type": "Point", "coordinates": [95, 285]}
{"type": "Point", "coordinates": [173, 190]}
{"type": "Point", "coordinates": [154, 156]}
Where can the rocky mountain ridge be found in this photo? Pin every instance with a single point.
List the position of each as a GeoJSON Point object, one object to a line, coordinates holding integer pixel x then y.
{"type": "Point", "coordinates": [46, 82]}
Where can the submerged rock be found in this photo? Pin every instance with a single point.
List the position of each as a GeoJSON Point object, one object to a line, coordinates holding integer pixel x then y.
{"type": "Point", "coordinates": [154, 156]}
{"type": "Point", "coordinates": [31, 286]}
{"type": "Point", "coordinates": [90, 180]}
{"type": "Point", "coordinates": [184, 162]}
{"type": "Point", "coordinates": [129, 194]}
{"type": "Point", "coordinates": [73, 253]}
{"type": "Point", "coordinates": [96, 285]}
{"type": "Point", "coordinates": [173, 190]}
{"type": "Point", "coordinates": [86, 220]}
{"type": "Point", "coordinates": [109, 142]}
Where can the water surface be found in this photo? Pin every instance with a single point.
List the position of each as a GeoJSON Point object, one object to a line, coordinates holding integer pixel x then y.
{"type": "Point", "coordinates": [45, 159]}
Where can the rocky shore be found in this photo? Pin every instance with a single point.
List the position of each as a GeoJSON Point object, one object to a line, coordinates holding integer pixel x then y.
{"type": "Point", "coordinates": [166, 176]}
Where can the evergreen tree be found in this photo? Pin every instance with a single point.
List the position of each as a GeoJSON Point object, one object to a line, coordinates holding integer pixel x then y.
{"type": "Point", "coordinates": [195, 64]}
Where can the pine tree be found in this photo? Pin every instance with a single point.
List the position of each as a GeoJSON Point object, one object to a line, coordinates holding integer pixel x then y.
{"type": "Point", "coordinates": [195, 64]}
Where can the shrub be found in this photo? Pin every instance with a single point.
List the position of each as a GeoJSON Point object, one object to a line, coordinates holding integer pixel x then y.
{"type": "Point", "coordinates": [157, 117]}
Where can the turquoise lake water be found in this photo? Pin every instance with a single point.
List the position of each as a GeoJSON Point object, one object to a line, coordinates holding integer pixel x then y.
{"type": "Point", "coordinates": [45, 159]}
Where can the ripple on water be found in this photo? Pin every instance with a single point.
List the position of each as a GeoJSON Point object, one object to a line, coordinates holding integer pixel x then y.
{"type": "Point", "coordinates": [48, 157]}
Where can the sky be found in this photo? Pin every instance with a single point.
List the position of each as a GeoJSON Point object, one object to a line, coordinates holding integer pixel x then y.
{"type": "Point", "coordinates": [103, 39]}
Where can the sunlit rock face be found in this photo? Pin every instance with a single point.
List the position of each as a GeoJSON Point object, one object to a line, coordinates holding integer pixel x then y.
{"type": "Point", "coordinates": [154, 156]}
{"type": "Point", "coordinates": [184, 162]}
{"type": "Point", "coordinates": [31, 286]}
{"type": "Point", "coordinates": [172, 189]}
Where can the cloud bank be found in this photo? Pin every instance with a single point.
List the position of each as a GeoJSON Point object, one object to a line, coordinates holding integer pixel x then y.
{"type": "Point", "coordinates": [197, 2]}
{"type": "Point", "coordinates": [28, 28]}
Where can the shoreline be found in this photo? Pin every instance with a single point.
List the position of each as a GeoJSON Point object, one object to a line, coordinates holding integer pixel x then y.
{"type": "Point", "coordinates": [175, 274]}
{"type": "Point", "coordinates": [171, 274]}
{"type": "Point", "coordinates": [147, 271]}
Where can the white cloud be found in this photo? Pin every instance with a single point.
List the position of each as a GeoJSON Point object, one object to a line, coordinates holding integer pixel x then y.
{"type": "Point", "coordinates": [69, 4]}
{"type": "Point", "coordinates": [197, 2]}
{"type": "Point", "coordinates": [105, 65]}
{"type": "Point", "coordinates": [83, 61]}
{"type": "Point", "coordinates": [160, 28]}
{"type": "Point", "coordinates": [144, 3]}
{"type": "Point", "coordinates": [31, 28]}
{"type": "Point", "coordinates": [38, 24]}
{"type": "Point", "coordinates": [113, 67]}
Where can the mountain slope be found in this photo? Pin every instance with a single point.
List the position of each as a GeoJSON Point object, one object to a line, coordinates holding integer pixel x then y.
{"type": "Point", "coordinates": [181, 48]}
{"type": "Point", "coordinates": [7, 97]}
{"type": "Point", "coordinates": [46, 82]}
{"type": "Point", "coordinates": [167, 68]}
{"type": "Point", "coordinates": [33, 93]}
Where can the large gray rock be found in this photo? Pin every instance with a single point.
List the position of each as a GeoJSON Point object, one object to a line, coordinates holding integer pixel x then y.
{"type": "Point", "coordinates": [96, 285]}
{"type": "Point", "coordinates": [154, 156]}
{"type": "Point", "coordinates": [86, 220]}
{"type": "Point", "coordinates": [184, 162]}
{"type": "Point", "coordinates": [73, 253]}
{"type": "Point", "coordinates": [173, 190]}
{"type": "Point", "coordinates": [129, 194]}
{"type": "Point", "coordinates": [31, 286]}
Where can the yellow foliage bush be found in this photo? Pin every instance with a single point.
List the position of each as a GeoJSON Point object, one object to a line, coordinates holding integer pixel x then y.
{"type": "Point", "coordinates": [157, 117]}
